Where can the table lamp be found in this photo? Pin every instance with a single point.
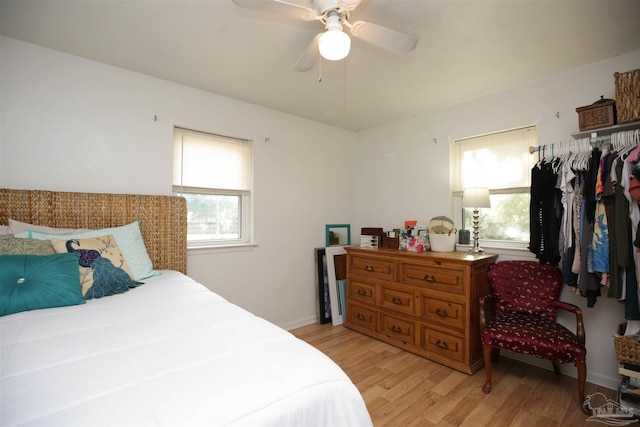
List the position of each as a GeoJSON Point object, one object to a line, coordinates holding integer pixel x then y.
{"type": "Point", "coordinates": [476, 198]}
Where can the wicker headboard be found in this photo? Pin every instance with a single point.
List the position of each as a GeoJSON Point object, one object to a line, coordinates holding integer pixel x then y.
{"type": "Point", "coordinates": [163, 219]}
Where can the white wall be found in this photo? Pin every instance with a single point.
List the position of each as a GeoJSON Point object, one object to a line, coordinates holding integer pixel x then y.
{"type": "Point", "coordinates": [410, 179]}
{"type": "Point", "coordinates": [71, 124]}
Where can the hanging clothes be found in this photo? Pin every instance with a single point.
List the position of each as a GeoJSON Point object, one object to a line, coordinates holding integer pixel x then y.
{"type": "Point", "coordinates": [545, 214]}
{"type": "Point", "coordinates": [632, 302]}
{"type": "Point", "coordinates": [588, 281]}
{"type": "Point", "coordinates": [578, 215]}
{"type": "Point", "coordinates": [589, 221]}
{"type": "Point", "coordinates": [599, 248]}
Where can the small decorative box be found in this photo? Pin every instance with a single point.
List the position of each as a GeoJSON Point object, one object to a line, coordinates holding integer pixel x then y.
{"type": "Point", "coordinates": [369, 241]}
{"type": "Point", "coordinates": [418, 243]}
{"type": "Point", "coordinates": [601, 113]}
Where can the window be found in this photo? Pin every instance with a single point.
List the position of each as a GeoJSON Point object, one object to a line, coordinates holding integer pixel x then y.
{"type": "Point", "coordinates": [501, 162]}
{"type": "Point", "coordinates": [214, 174]}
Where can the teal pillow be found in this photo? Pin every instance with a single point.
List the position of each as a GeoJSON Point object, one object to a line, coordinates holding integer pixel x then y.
{"type": "Point", "coordinates": [31, 282]}
{"type": "Point", "coordinates": [129, 240]}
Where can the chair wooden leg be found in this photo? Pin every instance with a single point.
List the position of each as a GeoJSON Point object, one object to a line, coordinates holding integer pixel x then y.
{"type": "Point", "coordinates": [556, 368]}
{"type": "Point", "coordinates": [487, 352]}
{"type": "Point", "coordinates": [582, 379]}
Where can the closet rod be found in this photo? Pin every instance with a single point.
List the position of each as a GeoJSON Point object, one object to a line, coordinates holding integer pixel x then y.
{"type": "Point", "coordinates": [593, 141]}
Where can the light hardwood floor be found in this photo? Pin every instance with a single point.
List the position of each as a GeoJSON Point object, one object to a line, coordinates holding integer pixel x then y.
{"type": "Point", "coordinates": [402, 389]}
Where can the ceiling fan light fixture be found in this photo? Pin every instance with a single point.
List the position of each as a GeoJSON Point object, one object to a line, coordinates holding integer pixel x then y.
{"type": "Point", "coordinates": [334, 44]}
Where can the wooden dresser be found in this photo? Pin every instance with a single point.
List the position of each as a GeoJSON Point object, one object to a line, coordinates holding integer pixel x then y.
{"type": "Point", "coordinates": [425, 303]}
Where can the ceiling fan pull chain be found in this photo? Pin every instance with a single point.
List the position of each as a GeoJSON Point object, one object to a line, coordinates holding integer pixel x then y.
{"type": "Point", "coordinates": [319, 69]}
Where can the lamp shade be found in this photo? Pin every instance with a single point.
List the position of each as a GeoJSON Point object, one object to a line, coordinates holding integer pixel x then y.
{"type": "Point", "coordinates": [334, 44]}
{"type": "Point", "coordinates": [476, 197]}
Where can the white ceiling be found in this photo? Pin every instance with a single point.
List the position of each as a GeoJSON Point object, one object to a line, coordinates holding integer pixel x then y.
{"type": "Point", "coordinates": [465, 49]}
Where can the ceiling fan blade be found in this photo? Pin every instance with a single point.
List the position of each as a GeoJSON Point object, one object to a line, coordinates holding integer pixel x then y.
{"type": "Point", "coordinates": [310, 55]}
{"type": "Point", "coordinates": [305, 7]}
{"type": "Point", "coordinates": [384, 37]}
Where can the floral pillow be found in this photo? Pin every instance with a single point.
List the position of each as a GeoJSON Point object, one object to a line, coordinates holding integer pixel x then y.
{"type": "Point", "coordinates": [103, 269]}
{"type": "Point", "coordinates": [10, 245]}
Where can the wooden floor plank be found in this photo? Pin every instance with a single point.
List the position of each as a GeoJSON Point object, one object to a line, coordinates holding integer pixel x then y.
{"type": "Point", "coordinates": [402, 389]}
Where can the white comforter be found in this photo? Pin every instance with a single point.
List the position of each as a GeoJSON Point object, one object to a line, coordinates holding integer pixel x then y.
{"type": "Point", "coordinates": [169, 352]}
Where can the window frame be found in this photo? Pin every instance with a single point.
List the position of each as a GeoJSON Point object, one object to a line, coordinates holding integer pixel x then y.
{"type": "Point", "coordinates": [457, 191]}
{"type": "Point", "coordinates": [458, 220]}
{"type": "Point", "coordinates": [245, 210]}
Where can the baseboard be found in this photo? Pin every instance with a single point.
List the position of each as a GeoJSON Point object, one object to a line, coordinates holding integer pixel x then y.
{"type": "Point", "coordinates": [299, 323]}
{"type": "Point", "coordinates": [568, 370]}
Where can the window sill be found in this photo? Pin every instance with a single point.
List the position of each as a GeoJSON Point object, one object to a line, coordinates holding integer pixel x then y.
{"type": "Point", "coordinates": [212, 249]}
{"type": "Point", "coordinates": [516, 250]}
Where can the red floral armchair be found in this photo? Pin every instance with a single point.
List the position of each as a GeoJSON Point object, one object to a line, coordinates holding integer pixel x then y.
{"type": "Point", "coordinates": [520, 316]}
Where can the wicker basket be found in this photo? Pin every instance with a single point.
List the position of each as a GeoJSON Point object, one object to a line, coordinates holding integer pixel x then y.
{"type": "Point", "coordinates": [628, 95]}
{"type": "Point", "coordinates": [627, 346]}
{"type": "Point", "coordinates": [601, 113]}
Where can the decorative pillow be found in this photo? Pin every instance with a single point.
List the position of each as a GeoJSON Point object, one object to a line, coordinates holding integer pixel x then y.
{"type": "Point", "coordinates": [16, 227]}
{"type": "Point", "coordinates": [103, 269]}
{"type": "Point", "coordinates": [10, 245]}
{"type": "Point", "coordinates": [129, 239]}
{"type": "Point", "coordinates": [4, 230]}
{"type": "Point", "coordinates": [31, 282]}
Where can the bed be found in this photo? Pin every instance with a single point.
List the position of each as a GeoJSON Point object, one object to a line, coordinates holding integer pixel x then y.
{"type": "Point", "coordinates": [166, 351]}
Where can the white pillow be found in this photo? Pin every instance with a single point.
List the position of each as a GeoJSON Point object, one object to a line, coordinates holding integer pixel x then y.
{"type": "Point", "coordinates": [129, 240]}
{"type": "Point", "coordinates": [16, 227]}
{"type": "Point", "coordinates": [4, 230]}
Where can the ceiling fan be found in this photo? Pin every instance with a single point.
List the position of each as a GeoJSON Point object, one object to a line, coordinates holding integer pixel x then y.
{"type": "Point", "coordinates": [333, 43]}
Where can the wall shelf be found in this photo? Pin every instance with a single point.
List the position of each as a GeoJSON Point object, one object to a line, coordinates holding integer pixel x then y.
{"type": "Point", "coordinates": [607, 130]}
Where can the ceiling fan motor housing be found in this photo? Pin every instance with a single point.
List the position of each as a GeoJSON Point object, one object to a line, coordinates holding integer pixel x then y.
{"type": "Point", "coordinates": [324, 7]}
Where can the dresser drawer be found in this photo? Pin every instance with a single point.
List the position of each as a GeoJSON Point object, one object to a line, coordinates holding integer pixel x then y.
{"type": "Point", "coordinates": [446, 313]}
{"type": "Point", "coordinates": [400, 330]}
{"type": "Point", "coordinates": [443, 278]}
{"type": "Point", "coordinates": [449, 346]}
{"type": "Point", "coordinates": [372, 267]}
{"type": "Point", "coordinates": [401, 300]}
{"type": "Point", "coordinates": [361, 291]}
{"type": "Point", "coordinates": [361, 317]}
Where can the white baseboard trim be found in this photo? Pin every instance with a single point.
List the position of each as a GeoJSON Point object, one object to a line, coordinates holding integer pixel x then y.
{"type": "Point", "coordinates": [567, 369]}
{"type": "Point", "coordinates": [299, 323]}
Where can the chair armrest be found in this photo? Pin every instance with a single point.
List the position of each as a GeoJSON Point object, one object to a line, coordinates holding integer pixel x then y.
{"type": "Point", "coordinates": [578, 312]}
{"type": "Point", "coordinates": [486, 309]}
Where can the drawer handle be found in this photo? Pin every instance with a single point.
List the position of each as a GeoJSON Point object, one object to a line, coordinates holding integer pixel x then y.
{"type": "Point", "coordinates": [368, 268]}
{"type": "Point", "coordinates": [441, 313]}
{"type": "Point", "coordinates": [360, 316]}
{"type": "Point", "coordinates": [428, 278]}
{"type": "Point", "coordinates": [442, 345]}
{"type": "Point", "coordinates": [396, 329]}
{"type": "Point", "coordinates": [396, 301]}
{"type": "Point", "coordinates": [362, 292]}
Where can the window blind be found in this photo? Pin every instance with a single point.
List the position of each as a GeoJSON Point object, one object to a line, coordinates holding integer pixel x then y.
{"type": "Point", "coordinates": [496, 161]}
{"type": "Point", "coordinates": [204, 160]}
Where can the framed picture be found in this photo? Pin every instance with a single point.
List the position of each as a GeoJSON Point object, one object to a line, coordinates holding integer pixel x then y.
{"type": "Point", "coordinates": [322, 287]}
{"type": "Point", "coordinates": [337, 277]}
{"type": "Point", "coordinates": [337, 234]}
